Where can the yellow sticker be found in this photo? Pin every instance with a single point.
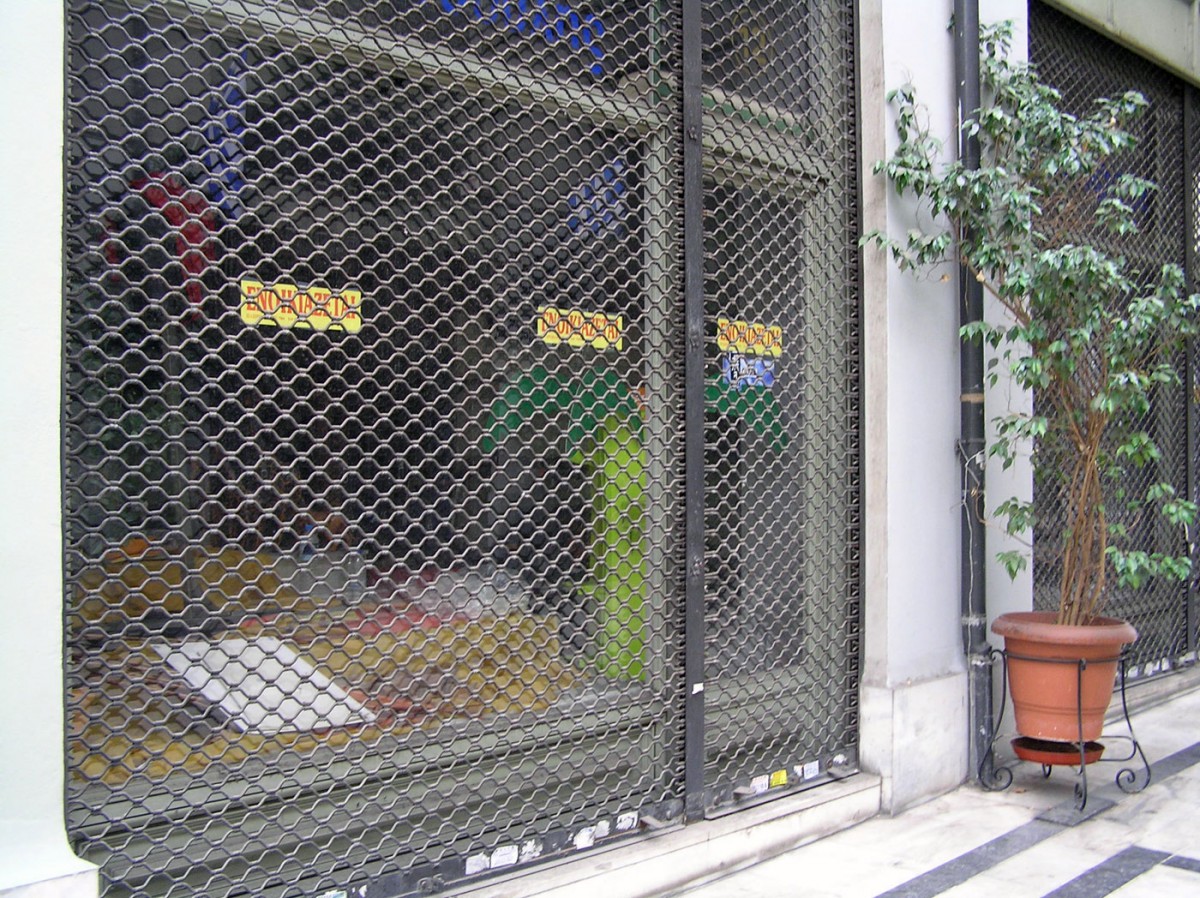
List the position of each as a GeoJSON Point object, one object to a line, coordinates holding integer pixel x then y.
{"type": "Point", "coordinates": [579, 328]}
{"type": "Point", "coordinates": [286, 305]}
{"type": "Point", "coordinates": [778, 778]}
{"type": "Point", "coordinates": [749, 337]}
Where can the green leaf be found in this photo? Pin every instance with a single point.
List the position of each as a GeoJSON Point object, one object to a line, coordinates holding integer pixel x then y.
{"type": "Point", "coordinates": [1086, 330]}
{"type": "Point", "coordinates": [1013, 562]}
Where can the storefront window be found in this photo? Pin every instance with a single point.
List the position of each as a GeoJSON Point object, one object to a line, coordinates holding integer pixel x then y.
{"type": "Point", "coordinates": [375, 363]}
{"type": "Point", "coordinates": [367, 400]}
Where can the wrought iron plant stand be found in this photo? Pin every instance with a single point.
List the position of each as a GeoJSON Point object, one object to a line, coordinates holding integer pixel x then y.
{"type": "Point", "coordinates": [1079, 755]}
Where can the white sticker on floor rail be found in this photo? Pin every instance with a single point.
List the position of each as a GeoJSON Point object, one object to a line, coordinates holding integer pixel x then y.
{"type": "Point", "coordinates": [586, 837]}
{"type": "Point", "coordinates": [505, 856]}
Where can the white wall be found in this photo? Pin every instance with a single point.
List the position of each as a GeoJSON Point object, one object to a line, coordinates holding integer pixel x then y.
{"type": "Point", "coordinates": [914, 688]}
{"type": "Point", "coordinates": [33, 846]}
{"type": "Point", "coordinates": [1003, 593]}
{"type": "Point", "coordinates": [923, 408]}
{"type": "Point", "coordinates": [915, 726]}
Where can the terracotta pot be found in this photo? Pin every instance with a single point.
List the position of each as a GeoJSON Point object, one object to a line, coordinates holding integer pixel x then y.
{"type": "Point", "coordinates": [1044, 676]}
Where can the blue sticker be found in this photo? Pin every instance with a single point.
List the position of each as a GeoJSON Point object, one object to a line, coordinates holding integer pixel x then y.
{"type": "Point", "coordinates": [742, 371]}
{"type": "Point", "coordinates": [226, 155]}
{"type": "Point", "coordinates": [552, 20]}
{"type": "Point", "coordinates": [599, 202]}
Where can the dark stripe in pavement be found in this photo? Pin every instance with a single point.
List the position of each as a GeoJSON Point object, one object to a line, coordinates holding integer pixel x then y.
{"type": "Point", "coordinates": [1183, 863]}
{"type": "Point", "coordinates": [1173, 764]}
{"type": "Point", "coordinates": [972, 863]}
{"type": "Point", "coordinates": [1109, 876]}
{"type": "Point", "coordinates": [965, 866]}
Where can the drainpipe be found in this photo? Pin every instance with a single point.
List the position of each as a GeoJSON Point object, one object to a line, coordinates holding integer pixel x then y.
{"type": "Point", "coordinates": [971, 441]}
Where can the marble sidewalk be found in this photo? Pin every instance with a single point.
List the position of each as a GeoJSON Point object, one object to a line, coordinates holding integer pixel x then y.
{"type": "Point", "coordinates": [1025, 842]}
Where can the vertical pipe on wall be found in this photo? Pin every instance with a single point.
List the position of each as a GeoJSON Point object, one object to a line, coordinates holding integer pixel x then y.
{"type": "Point", "coordinates": [971, 440]}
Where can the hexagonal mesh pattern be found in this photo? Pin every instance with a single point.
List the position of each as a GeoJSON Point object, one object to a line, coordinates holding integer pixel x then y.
{"type": "Point", "coordinates": [1083, 66]}
{"type": "Point", "coordinates": [781, 391]}
{"type": "Point", "coordinates": [374, 439]}
{"type": "Point", "coordinates": [1192, 196]}
{"type": "Point", "coordinates": [374, 425]}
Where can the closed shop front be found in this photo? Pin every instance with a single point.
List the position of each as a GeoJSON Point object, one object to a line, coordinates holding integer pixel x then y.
{"type": "Point", "coordinates": [381, 359]}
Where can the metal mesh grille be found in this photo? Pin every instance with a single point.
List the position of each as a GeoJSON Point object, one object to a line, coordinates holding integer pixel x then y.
{"type": "Point", "coordinates": [782, 373]}
{"type": "Point", "coordinates": [373, 423]}
{"type": "Point", "coordinates": [1191, 195]}
{"type": "Point", "coordinates": [1083, 66]}
{"type": "Point", "coordinates": [374, 431]}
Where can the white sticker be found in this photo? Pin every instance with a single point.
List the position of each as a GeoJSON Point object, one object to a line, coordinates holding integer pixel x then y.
{"type": "Point", "coordinates": [586, 837]}
{"type": "Point", "coordinates": [478, 863]}
{"type": "Point", "coordinates": [603, 828]}
{"type": "Point", "coordinates": [760, 784]}
{"type": "Point", "coordinates": [812, 769]}
{"type": "Point", "coordinates": [336, 893]}
{"type": "Point", "coordinates": [505, 856]}
{"type": "Point", "coordinates": [531, 850]}
{"type": "Point", "coordinates": [627, 822]}
{"type": "Point", "coordinates": [697, 688]}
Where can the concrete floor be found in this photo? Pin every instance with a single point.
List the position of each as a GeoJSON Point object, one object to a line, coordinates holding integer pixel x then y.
{"type": "Point", "coordinates": [976, 844]}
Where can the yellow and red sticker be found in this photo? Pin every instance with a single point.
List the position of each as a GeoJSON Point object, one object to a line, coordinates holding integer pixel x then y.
{"type": "Point", "coordinates": [749, 337]}
{"type": "Point", "coordinates": [578, 328]}
{"type": "Point", "coordinates": [286, 305]}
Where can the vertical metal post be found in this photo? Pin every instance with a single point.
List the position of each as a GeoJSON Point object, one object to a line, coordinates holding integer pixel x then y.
{"type": "Point", "coordinates": [1190, 149]}
{"type": "Point", "coordinates": [974, 609]}
{"type": "Point", "coordinates": [693, 289]}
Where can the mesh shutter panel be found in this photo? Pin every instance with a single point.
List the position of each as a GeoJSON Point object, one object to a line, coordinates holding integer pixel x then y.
{"type": "Point", "coordinates": [1084, 66]}
{"type": "Point", "coordinates": [782, 374]}
{"type": "Point", "coordinates": [374, 439]}
{"type": "Point", "coordinates": [374, 432]}
{"type": "Point", "coordinates": [1191, 193]}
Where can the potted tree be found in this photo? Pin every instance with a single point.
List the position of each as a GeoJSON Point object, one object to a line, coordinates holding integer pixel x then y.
{"type": "Point", "coordinates": [1043, 223]}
